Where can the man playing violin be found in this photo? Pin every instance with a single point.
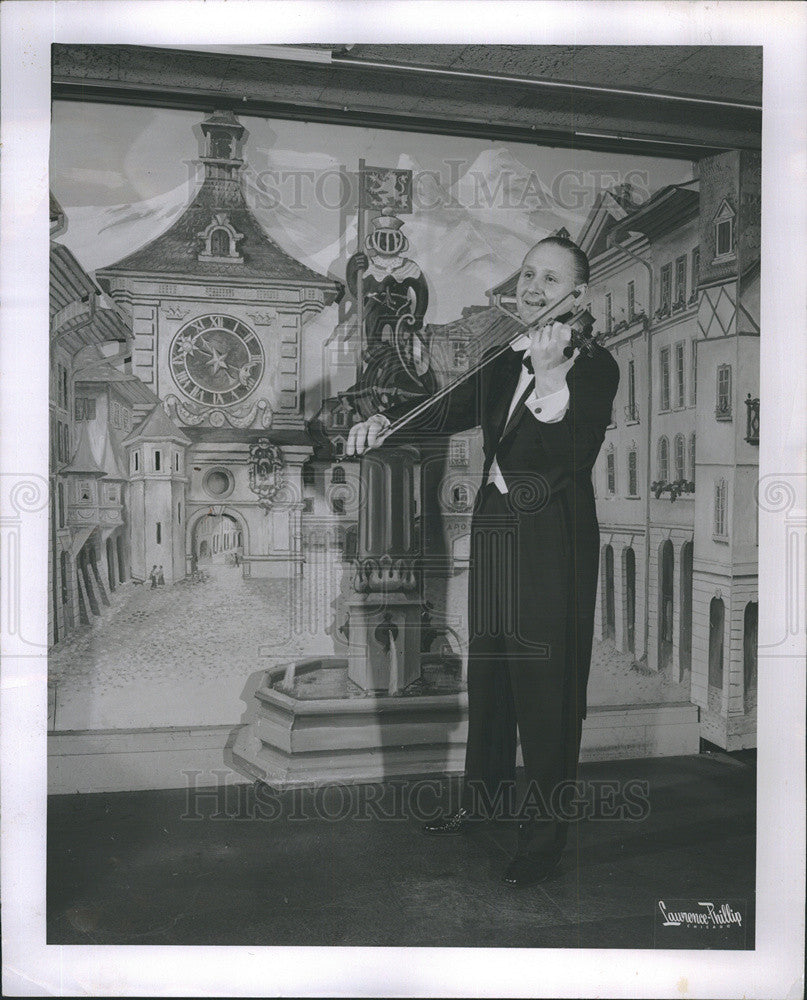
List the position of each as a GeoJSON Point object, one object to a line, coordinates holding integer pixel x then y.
{"type": "Point", "coordinates": [543, 409]}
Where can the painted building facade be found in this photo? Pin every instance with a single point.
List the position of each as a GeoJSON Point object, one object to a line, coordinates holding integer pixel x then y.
{"type": "Point", "coordinates": [94, 402]}
{"type": "Point", "coordinates": [218, 312]}
{"type": "Point", "coordinates": [675, 288]}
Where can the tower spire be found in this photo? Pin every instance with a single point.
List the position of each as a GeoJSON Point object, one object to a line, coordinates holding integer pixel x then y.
{"type": "Point", "coordinates": [221, 154]}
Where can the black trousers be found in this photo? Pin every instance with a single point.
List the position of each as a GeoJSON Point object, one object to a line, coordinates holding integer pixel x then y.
{"type": "Point", "coordinates": [522, 670]}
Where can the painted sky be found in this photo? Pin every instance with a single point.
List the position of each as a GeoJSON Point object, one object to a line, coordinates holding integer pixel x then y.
{"type": "Point", "coordinates": [123, 174]}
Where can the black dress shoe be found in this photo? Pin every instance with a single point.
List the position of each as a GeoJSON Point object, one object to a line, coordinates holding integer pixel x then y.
{"type": "Point", "coordinates": [449, 826]}
{"type": "Point", "coordinates": [524, 870]}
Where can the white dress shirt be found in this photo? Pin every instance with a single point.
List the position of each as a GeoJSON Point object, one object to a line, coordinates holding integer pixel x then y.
{"type": "Point", "coordinates": [546, 409]}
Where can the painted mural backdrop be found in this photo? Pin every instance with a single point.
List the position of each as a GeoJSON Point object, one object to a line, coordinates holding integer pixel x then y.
{"type": "Point", "coordinates": [123, 175]}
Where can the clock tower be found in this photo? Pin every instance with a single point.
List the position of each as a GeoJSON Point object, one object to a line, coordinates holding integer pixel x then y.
{"type": "Point", "coordinates": [218, 315]}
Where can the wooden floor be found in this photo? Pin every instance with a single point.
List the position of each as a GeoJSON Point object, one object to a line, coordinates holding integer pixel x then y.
{"type": "Point", "coordinates": [351, 867]}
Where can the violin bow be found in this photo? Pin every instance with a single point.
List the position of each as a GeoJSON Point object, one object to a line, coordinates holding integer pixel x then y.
{"type": "Point", "coordinates": [553, 312]}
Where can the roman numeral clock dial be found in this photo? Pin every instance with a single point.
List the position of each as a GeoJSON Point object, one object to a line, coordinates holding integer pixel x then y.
{"type": "Point", "coordinates": [216, 360]}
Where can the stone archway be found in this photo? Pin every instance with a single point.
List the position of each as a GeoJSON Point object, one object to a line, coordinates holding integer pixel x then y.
{"type": "Point", "coordinates": [609, 601]}
{"type": "Point", "coordinates": [629, 571]}
{"type": "Point", "coordinates": [750, 638]}
{"type": "Point", "coordinates": [217, 537]}
{"type": "Point", "coordinates": [717, 614]}
{"type": "Point", "coordinates": [666, 571]}
{"type": "Point", "coordinates": [685, 630]}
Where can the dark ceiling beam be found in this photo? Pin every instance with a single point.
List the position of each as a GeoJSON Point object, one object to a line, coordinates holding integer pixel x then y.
{"type": "Point", "coordinates": [206, 101]}
{"type": "Point", "coordinates": [358, 95]}
{"type": "Point", "coordinates": [695, 101]}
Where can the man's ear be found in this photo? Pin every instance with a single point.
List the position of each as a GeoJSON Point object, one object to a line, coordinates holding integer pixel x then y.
{"type": "Point", "coordinates": [581, 290]}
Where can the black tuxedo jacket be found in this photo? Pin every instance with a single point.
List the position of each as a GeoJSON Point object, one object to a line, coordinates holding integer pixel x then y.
{"type": "Point", "coordinates": [547, 468]}
{"type": "Point", "coordinates": [555, 457]}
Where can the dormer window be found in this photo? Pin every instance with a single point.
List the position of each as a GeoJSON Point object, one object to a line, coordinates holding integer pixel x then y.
{"type": "Point", "coordinates": [724, 232]}
{"type": "Point", "coordinates": [220, 243]}
{"type": "Point", "coordinates": [220, 239]}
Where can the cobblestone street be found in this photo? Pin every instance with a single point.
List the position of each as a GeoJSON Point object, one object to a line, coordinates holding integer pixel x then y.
{"type": "Point", "coordinates": [178, 655]}
{"type": "Point", "coordinates": [190, 654]}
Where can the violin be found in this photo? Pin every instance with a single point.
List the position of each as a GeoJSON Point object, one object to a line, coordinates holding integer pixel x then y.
{"type": "Point", "coordinates": [568, 310]}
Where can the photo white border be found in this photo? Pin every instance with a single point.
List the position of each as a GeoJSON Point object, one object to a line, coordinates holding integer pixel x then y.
{"type": "Point", "coordinates": [32, 968]}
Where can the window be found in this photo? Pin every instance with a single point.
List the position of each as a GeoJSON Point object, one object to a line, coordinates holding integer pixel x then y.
{"type": "Point", "coordinates": [721, 509]}
{"type": "Point", "coordinates": [694, 275]}
{"type": "Point", "coordinates": [664, 460]}
{"type": "Point", "coordinates": [724, 238]}
{"type": "Point", "coordinates": [724, 232]}
{"type": "Point", "coordinates": [220, 243]}
{"type": "Point", "coordinates": [609, 315]}
{"type": "Point", "coordinates": [692, 457]}
{"type": "Point", "coordinates": [664, 375]}
{"type": "Point", "coordinates": [339, 447]}
{"type": "Point", "coordinates": [678, 457]}
{"type": "Point", "coordinates": [157, 460]}
{"type": "Point", "coordinates": [680, 388]}
{"type": "Point", "coordinates": [460, 498]}
{"type": "Point", "coordinates": [60, 500]}
{"type": "Point", "coordinates": [631, 299]}
{"type": "Point", "coordinates": [136, 457]}
{"type": "Point", "coordinates": [679, 298]}
{"type": "Point", "coordinates": [159, 533]}
{"type": "Point", "coordinates": [115, 418]}
{"type": "Point", "coordinates": [460, 353]}
{"type": "Point", "coordinates": [459, 454]}
{"type": "Point", "coordinates": [693, 371]}
{"type": "Point", "coordinates": [338, 474]}
{"type": "Point", "coordinates": [176, 461]}
{"type": "Point", "coordinates": [723, 400]}
{"type": "Point", "coordinates": [666, 290]}
{"type": "Point", "coordinates": [338, 505]}
{"type": "Point", "coordinates": [632, 411]}
{"type": "Point", "coordinates": [65, 435]}
{"type": "Point", "coordinates": [610, 472]}
{"type": "Point", "coordinates": [85, 408]}
{"type": "Point", "coordinates": [179, 513]}
{"type": "Point", "coordinates": [220, 239]}
{"type": "Point", "coordinates": [633, 479]}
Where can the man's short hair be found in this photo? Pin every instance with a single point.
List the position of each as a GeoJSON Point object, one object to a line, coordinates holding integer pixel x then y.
{"type": "Point", "coordinates": [581, 266]}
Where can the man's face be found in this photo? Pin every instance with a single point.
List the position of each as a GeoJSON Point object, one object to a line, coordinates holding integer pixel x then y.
{"type": "Point", "coordinates": [547, 275]}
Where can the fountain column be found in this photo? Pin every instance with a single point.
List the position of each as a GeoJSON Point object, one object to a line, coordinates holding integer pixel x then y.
{"type": "Point", "coordinates": [384, 640]}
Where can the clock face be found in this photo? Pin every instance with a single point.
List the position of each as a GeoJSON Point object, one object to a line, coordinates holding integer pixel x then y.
{"type": "Point", "coordinates": [216, 360]}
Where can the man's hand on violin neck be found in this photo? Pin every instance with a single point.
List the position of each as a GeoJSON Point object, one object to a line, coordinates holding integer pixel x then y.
{"type": "Point", "coordinates": [550, 364]}
{"type": "Point", "coordinates": [365, 435]}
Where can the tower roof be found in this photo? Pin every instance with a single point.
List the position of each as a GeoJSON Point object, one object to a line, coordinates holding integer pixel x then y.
{"type": "Point", "coordinates": [157, 426]}
{"type": "Point", "coordinates": [109, 462]}
{"type": "Point", "coordinates": [83, 461]}
{"type": "Point", "coordinates": [176, 251]}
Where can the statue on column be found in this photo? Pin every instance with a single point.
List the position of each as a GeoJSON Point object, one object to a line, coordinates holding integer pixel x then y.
{"type": "Point", "coordinates": [395, 295]}
{"type": "Point", "coordinates": [385, 607]}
